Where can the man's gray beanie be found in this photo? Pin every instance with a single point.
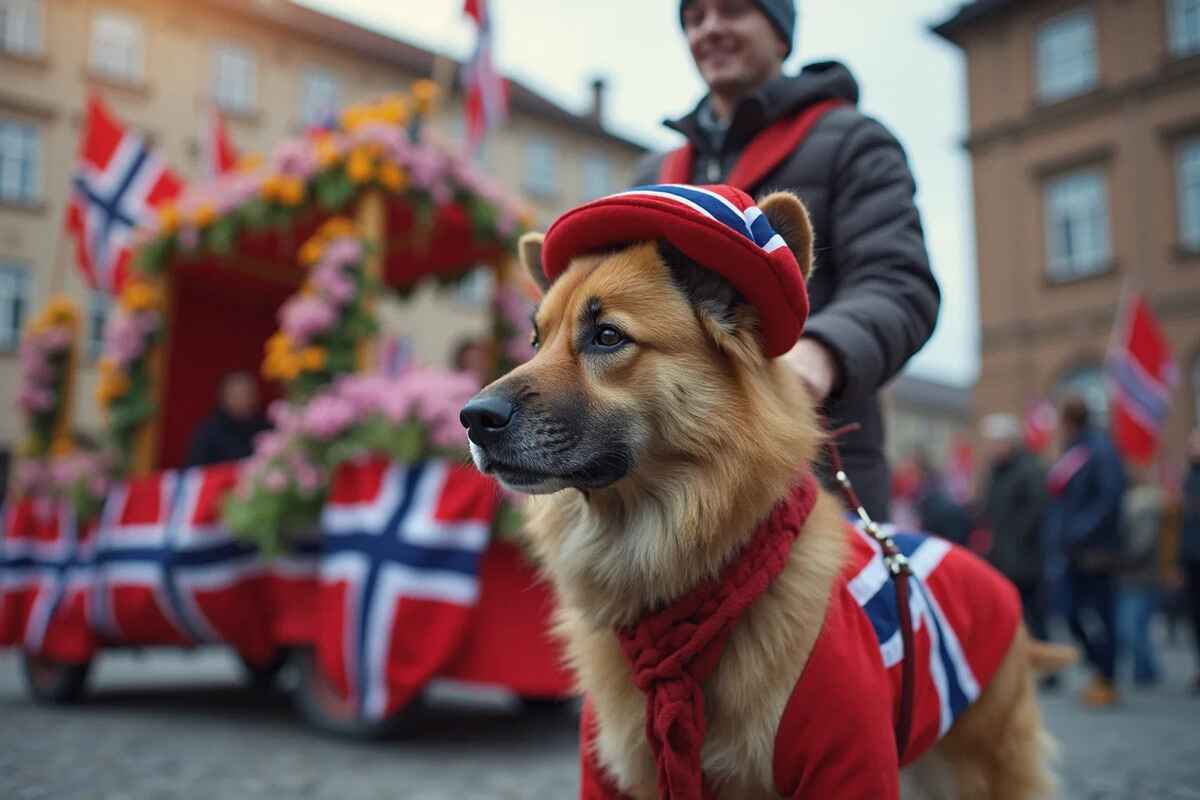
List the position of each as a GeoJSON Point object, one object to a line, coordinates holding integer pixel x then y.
{"type": "Point", "coordinates": [781, 13]}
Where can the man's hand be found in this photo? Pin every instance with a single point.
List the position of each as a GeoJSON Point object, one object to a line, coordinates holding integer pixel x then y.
{"type": "Point", "coordinates": [816, 366]}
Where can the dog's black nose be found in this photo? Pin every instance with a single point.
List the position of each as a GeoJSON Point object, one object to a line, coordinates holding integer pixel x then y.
{"type": "Point", "coordinates": [486, 416]}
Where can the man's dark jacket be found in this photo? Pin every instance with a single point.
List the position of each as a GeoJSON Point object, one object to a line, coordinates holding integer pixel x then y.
{"type": "Point", "coordinates": [1189, 545]}
{"type": "Point", "coordinates": [1014, 503]}
{"type": "Point", "coordinates": [222, 437]}
{"type": "Point", "coordinates": [873, 297]}
{"type": "Point", "coordinates": [1084, 520]}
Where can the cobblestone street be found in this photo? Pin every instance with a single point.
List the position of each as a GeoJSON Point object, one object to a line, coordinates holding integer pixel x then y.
{"type": "Point", "coordinates": [173, 725]}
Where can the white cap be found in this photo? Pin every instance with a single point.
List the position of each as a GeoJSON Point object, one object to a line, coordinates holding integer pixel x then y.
{"type": "Point", "coordinates": [1000, 428]}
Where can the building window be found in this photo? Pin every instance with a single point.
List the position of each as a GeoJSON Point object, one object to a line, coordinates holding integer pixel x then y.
{"type": "Point", "coordinates": [541, 167]}
{"type": "Point", "coordinates": [20, 162]}
{"type": "Point", "coordinates": [117, 46]}
{"type": "Point", "coordinates": [1066, 55]}
{"type": "Point", "coordinates": [1090, 383]}
{"type": "Point", "coordinates": [597, 173]}
{"type": "Point", "coordinates": [99, 304]}
{"type": "Point", "coordinates": [1188, 187]}
{"type": "Point", "coordinates": [476, 288]}
{"type": "Point", "coordinates": [1077, 240]}
{"type": "Point", "coordinates": [14, 288]}
{"type": "Point", "coordinates": [318, 97]}
{"type": "Point", "coordinates": [234, 78]}
{"type": "Point", "coordinates": [21, 27]}
{"type": "Point", "coordinates": [1183, 27]}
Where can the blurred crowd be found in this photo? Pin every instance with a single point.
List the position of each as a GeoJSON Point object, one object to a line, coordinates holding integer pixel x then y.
{"type": "Point", "coordinates": [1095, 545]}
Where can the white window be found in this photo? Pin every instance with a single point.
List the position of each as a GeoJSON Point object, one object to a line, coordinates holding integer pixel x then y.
{"type": "Point", "coordinates": [1066, 55]}
{"type": "Point", "coordinates": [99, 304]}
{"type": "Point", "coordinates": [318, 97]}
{"type": "Point", "coordinates": [20, 162]}
{"type": "Point", "coordinates": [476, 289]}
{"type": "Point", "coordinates": [234, 78]}
{"type": "Point", "coordinates": [1091, 384]}
{"type": "Point", "coordinates": [21, 26]}
{"type": "Point", "coordinates": [1077, 240]}
{"type": "Point", "coordinates": [597, 173]}
{"type": "Point", "coordinates": [117, 46]}
{"type": "Point", "coordinates": [14, 286]}
{"type": "Point", "coordinates": [541, 167]}
{"type": "Point", "coordinates": [1183, 27]}
{"type": "Point", "coordinates": [1188, 186]}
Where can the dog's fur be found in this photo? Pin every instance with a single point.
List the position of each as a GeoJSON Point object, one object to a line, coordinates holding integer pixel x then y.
{"type": "Point", "coordinates": [654, 461]}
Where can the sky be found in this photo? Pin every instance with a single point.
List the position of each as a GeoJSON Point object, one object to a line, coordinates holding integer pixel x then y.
{"type": "Point", "coordinates": [911, 80]}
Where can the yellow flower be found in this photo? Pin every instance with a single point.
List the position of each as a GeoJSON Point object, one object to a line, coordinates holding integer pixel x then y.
{"type": "Point", "coordinates": [61, 311]}
{"type": "Point", "coordinates": [279, 343]}
{"type": "Point", "coordinates": [140, 296]}
{"type": "Point", "coordinates": [204, 215]}
{"type": "Point", "coordinates": [291, 191]}
{"type": "Point", "coordinates": [270, 188]}
{"type": "Point", "coordinates": [394, 110]}
{"type": "Point", "coordinates": [360, 168]}
{"type": "Point", "coordinates": [310, 251]}
{"type": "Point", "coordinates": [353, 117]}
{"type": "Point", "coordinates": [312, 359]}
{"type": "Point", "coordinates": [168, 218]}
{"type": "Point", "coordinates": [392, 177]}
{"type": "Point", "coordinates": [114, 383]}
{"type": "Point", "coordinates": [425, 92]}
{"type": "Point", "coordinates": [327, 151]}
{"type": "Point", "coordinates": [336, 228]}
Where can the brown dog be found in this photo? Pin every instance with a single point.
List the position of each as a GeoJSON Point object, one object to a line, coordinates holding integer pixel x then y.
{"type": "Point", "coordinates": [657, 437]}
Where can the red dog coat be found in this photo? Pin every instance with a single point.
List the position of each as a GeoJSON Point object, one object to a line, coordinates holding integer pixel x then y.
{"type": "Point", "coordinates": [837, 734]}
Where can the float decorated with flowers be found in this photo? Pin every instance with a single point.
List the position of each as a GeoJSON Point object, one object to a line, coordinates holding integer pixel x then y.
{"type": "Point", "coordinates": [355, 545]}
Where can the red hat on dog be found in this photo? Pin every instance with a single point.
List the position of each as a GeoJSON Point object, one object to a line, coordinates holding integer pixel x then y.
{"type": "Point", "coordinates": [718, 227]}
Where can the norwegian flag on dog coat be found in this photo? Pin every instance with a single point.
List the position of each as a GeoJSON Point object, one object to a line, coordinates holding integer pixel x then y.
{"type": "Point", "coordinates": [837, 735]}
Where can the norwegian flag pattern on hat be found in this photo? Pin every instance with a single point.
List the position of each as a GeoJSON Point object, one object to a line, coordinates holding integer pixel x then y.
{"type": "Point", "coordinates": [719, 227]}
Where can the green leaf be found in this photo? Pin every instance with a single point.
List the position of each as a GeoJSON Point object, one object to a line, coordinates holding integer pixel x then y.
{"type": "Point", "coordinates": [334, 190]}
{"type": "Point", "coordinates": [221, 236]}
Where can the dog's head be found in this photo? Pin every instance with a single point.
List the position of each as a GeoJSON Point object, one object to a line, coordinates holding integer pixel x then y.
{"type": "Point", "coordinates": [646, 365]}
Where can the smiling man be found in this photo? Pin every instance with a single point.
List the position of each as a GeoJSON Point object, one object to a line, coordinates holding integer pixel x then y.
{"type": "Point", "coordinates": [874, 297]}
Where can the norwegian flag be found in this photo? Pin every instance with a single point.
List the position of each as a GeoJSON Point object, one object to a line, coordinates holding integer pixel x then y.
{"type": "Point", "coordinates": [220, 155]}
{"type": "Point", "coordinates": [166, 571]}
{"type": "Point", "coordinates": [1041, 421]}
{"type": "Point", "coordinates": [1141, 375]}
{"type": "Point", "coordinates": [118, 182]}
{"type": "Point", "coordinates": [46, 570]}
{"type": "Point", "coordinates": [487, 91]}
{"type": "Point", "coordinates": [398, 575]}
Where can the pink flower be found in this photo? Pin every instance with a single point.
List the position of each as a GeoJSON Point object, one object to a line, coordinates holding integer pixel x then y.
{"type": "Point", "coordinates": [334, 284]}
{"type": "Point", "coordinates": [275, 480]}
{"type": "Point", "coordinates": [34, 399]}
{"type": "Point", "coordinates": [303, 317]}
{"type": "Point", "coordinates": [343, 252]}
{"type": "Point", "coordinates": [124, 340]}
{"type": "Point", "coordinates": [98, 485]}
{"type": "Point", "coordinates": [269, 444]}
{"type": "Point", "coordinates": [295, 157]}
{"type": "Point", "coordinates": [283, 417]}
{"type": "Point", "coordinates": [326, 416]}
{"type": "Point", "coordinates": [57, 339]}
{"type": "Point", "coordinates": [426, 165]}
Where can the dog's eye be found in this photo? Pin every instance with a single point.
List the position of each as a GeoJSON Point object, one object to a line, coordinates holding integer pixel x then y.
{"type": "Point", "coordinates": [534, 341]}
{"type": "Point", "coordinates": [609, 337]}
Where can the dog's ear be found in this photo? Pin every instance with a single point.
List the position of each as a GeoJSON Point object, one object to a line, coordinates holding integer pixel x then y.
{"type": "Point", "coordinates": [529, 248]}
{"type": "Point", "coordinates": [789, 218]}
{"type": "Point", "coordinates": [729, 320]}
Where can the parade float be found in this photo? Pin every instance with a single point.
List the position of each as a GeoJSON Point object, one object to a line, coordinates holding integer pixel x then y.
{"type": "Point", "coordinates": [356, 545]}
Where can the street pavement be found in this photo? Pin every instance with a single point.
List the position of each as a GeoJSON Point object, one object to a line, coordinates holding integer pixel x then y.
{"type": "Point", "coordinates": [179, 725]}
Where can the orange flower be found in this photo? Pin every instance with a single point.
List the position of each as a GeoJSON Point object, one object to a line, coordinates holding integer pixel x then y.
{"type": "Point", "coordinates": [425, 92]}
{"type": "Point", "coordinates": [392, 177]}
{"type": "Point", "coordinates": [270, 189]}
{"type": "Point", "coordinates": [291, 191]}
{"type": "Point", "coordinates": [393, 111]}
{"type": "Point", "coordinates": [114, 383]}
{"type": "Point", "coordinates": [353, 118]}
{"type": "Point", "coordinates": [361, 167]}
{"type": "Point", "coordinates": [310, 251]}
{"type": "Point", "coordinates": [327, 151]}
{"type": "Point", "coordinates": [313, 359]}
{"type": "Point", "coordinates": [61, 311]}
{"type": "Point", "coordinates": [249, 162]}
{"type": "Point", "coordinates": [336, 228]}
{"type": "Point", "coordinates": [168, 218]}
{"type": "Point", "coordinates": [61, 446]}
{"type": "Point", "coordinates": [140, 296]}
{"type": "Point", "coordinates": [204, 215]}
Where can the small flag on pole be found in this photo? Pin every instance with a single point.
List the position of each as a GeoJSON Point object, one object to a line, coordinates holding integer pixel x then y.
{"type": "Point", "coordinates": [1141, 375]}
{"type": "Point", "coordinates": [487, 91]}
{"type": "Point", "coordinates": [220, 155]}
{"type": "Point", "coordinates": [117, 184]}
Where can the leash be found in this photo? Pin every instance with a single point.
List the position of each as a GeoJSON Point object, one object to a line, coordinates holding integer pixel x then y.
{"type": "Point", "coordinates": [897, 566]}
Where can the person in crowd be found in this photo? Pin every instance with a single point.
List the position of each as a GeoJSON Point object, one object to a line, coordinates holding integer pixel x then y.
{"type": "Point", "coordinates": [1083, 523]}
{"type": "Point", "coordinates": [1014, 507]}
{"type": "Point", "coordinates": [937, 510]}
{"type": "Point", "coordinates": [1189, 542]}
{"type": "Point", "coordinates": [873, 298]}
{"type": "Point", "coordinates": [228, 433]}
{"type": "Point", "coordinates": [1141, 575]}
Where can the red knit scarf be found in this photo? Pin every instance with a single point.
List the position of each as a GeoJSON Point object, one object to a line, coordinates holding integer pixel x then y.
{"type": "Point", "coordinates": [674, 650]}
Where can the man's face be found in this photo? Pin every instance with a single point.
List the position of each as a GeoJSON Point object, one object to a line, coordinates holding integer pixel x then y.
{"type": "Point", "coordinates": [733, 44]}
{"type": "Point", "coordinates": [240, 397]}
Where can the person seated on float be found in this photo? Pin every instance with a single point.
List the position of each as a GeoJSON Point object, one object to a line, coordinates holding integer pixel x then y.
{"type": "Point", "coordinates": [228, 433]}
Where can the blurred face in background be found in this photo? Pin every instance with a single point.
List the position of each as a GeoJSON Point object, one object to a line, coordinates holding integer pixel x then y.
{"type": "Point", "coordinates": [1194, 445]}
{"type": "Point", "coordinates": [733, 44]}
{"type": "Point", "coordinates": [239, 396]}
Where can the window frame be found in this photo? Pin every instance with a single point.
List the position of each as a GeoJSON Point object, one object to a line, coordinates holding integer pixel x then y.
{"type": "Point", "coordinates": [543, 149]}
{"type": "Point", "coordinates": [601, 162]}
{"type": "Point", "coordinates": [130, 38]}
{"type": "Point", "coordinates": [1046, 91]}
{"type": "Point", "coordinates": [12, 328]}
{"type": "Point", "coordinates": [30, 42]}
{"type": "Point", "coordinates": [30, 145]}
{"type": "Point", "coordinates": [1187, 203]}
{"type": "Point", "coordinates": [246, 100]}
{"type": "Point", "coordinates": [1061, 269]}
{"type": "Point", "coordinates": [1182, 43]}
{"type": "Point", "coordinates": [310, 78]}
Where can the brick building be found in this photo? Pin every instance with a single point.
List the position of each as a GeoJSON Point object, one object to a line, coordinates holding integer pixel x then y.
{"type": "Point", "coordinates": [272, 67]}
{"type": "Point", "coordinates": [1084, 138]}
